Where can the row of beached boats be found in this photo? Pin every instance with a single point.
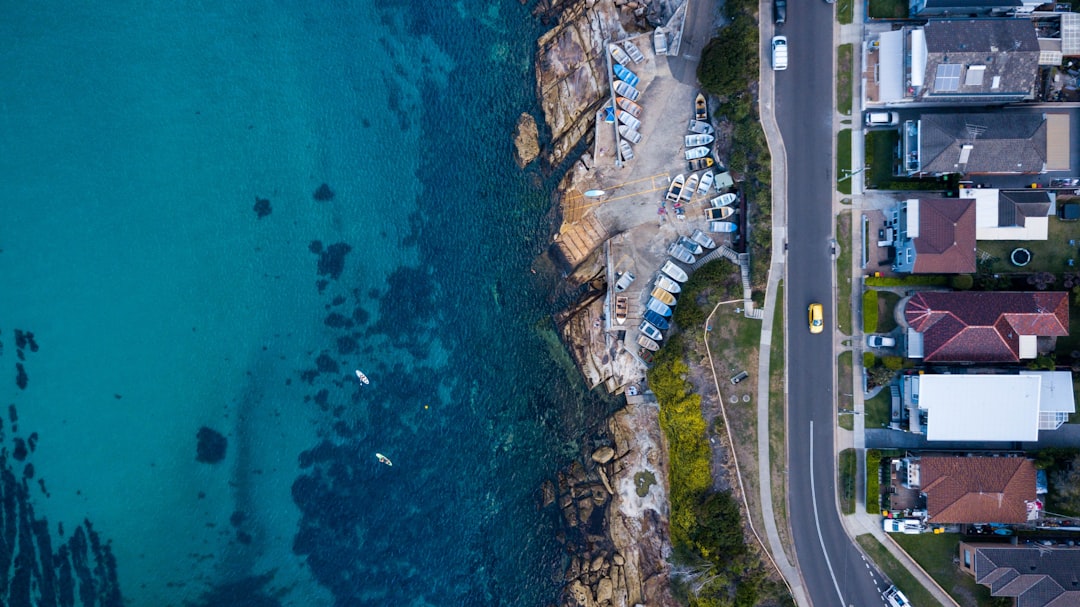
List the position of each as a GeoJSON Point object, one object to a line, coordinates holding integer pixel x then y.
{"type": "Point", "coordinates": [627, 112]}
{"type": "Point", "coordinates": [666, 284]}
{"type": "Point", "coordinates": [702, 135]}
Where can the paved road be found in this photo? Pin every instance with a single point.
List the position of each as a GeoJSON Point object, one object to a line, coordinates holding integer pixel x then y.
{"type": "Point", "coordinates": [834, 571]}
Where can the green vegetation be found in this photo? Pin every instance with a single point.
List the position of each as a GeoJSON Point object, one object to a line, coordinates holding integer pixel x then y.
{"type": "Point", "coordinates": [1062, 467]}
{"type": "Point", "coordinates": [847, 481]}
{"type": "Point", "coordinates": [936, 554]}
{"type": "Point", "coordinates": [1050, 255]}
{"type": "Point", "coordinates": [896, 572]}
{"type": "Point", "coordinates": [717, 278]}
{"type": "Point", "coordinates": [843, 162]}
{"type": "Point", "coordinates": [878, 410]}
{"type": "Point", "coordinates": [947, 183]}
{"type": "Point", "coordinates": [643, 481]}
{"type": "Point", "coordinates": [706, 525]}
{"type": "Point", "coordinates": [887, 311]}
{"type": "Point", "coordinates": [873, 483]}
{"type": "Point", "coordinates": [730, 60]}
{"type": "Point", "coordinates": [888, 9]}
{"type": "Point", "coordinates": [777, 451]}
{"type": "Point", "coordinates": [911, 280]}
{"type": "Point", "coordinates": [962, 282]}
{"type": "Point", "coordinates": [843, 79]}
{"type": "Point", "coordinates": [843, 272]}
{"type": "Point", "coordinates": [869, 360]}
{"type": "Point", "coordinates": [880, 157]}
{"type": "Point", "coordinates": [870, 311]}
{"type": "Point", "coordinates": [844, 400]}
{"type": "Point", "coordinates": [845, 11]}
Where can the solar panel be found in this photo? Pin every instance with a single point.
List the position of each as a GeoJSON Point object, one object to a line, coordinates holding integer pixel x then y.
{"type": "Point", "coordinates": [947, 77]}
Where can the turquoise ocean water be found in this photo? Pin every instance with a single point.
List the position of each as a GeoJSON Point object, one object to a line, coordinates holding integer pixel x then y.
{"type": "Point", "coordinates": [144, 298]}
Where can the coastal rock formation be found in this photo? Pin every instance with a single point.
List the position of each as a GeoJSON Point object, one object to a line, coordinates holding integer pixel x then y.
{"type": "Point", "coordinates": [616, 534]}
{"type": "Point", "coordinates": [526, 141]}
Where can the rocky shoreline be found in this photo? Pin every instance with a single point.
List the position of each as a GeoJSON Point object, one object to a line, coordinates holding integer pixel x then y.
{"type": "Point", "coordinates": [613, 502]}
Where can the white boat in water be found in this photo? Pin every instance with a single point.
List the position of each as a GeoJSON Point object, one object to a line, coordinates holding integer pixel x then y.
{"type": "Point", "coordinates": [698, 126]}
{"type": "Point", "coordinates": [674, 271]}
{"type": "Point", "coordinates": [724, 199]}
{"type": "Point", "coordinates": [363, 378]}
{"type": "Point", "coordinates": [665, 283]}
{"type": "Point", "coordinates": [680, 252]}
{"type": "Point", "coordinates": [650, 331]}
{"type": "Point", "coordinates": [647, 343]}
{"type": "Point", "coordinates": [383, 459]}
{"type": "Point", "coordinates": [633, 51]}
{"type": "Point", "coordinates": [702, 239]}
{"type": "Point", "coordinates": [693, 141]}
{"type": "Point", "coordinates": [700, 152]}
{"type": "Point", "coordinates": [691, 185]}
{"type": "Point", "coordinates": [625, 151]}
{"type": "Point", "coordinates": [691, 246]}
{"type": "Point", "coordinates": [630, 106]}
{"type": "Point", "coordinates": [659, 39]}
{"type": "Point", "coordinates": [675, 189]}
{"type": "Point", "coordinates": [626, 90]}
{"type": "Point", "coordinates": [705, 183]}
{"type": "Point", "coordinates": [618, 54]}
{"type": "Point", "coordinates": [629, 134]}
{"type": "Point", "coordinates": [723, 227]}
{"type": "Point", "coordinates": [658, 306]}
{"type": "Point", "coordinates": [628, 119]}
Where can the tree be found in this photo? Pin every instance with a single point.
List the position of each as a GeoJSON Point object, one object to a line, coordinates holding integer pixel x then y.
{"type": "Point", "coordinates": [879, 376]}
{"type": "Point", "coordinates": [730, 61]}
{"type": "Point", "coordinates": [1066, 487]}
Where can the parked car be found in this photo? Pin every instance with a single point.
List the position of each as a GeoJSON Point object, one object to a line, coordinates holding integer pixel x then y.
{"type": "Point", "coordinates": [882, 119]}
{"type": "Point", "coordinates": [816, 317]}
{"type": "Point", "coordinates": [880, 341]}
{"type": "Point", "coordinates": [780, 12]}
{"type": "Point", "coordinates": [898, 525]}
{"type": "Point", "coordinates": [779, 53]}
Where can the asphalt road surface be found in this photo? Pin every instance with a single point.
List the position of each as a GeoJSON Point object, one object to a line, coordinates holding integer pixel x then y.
{"type": "Point", "coordinates": [834, 571]}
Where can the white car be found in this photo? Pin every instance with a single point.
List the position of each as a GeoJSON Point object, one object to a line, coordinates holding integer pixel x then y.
{"type": "Point", "coordinates": [779, 53]}
{"type": "Point", "coordinates": [882, 119]}
{"type": "Point", "coordinates": [880, 341]}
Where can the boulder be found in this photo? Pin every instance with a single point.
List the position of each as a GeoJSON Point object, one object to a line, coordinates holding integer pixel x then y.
{"type": "Point", "coordinates": [547, 492]}
{"type": "Point", "coordinates": [526, 140]}
{"type": "Point", "coordinates": [618, 559]}
{"type": "Point", "coordinates": [597, 564]}
{"type": "Point", "coordinates": [605, 590]}
{"type": "Point", "coordinates": [603, 455]}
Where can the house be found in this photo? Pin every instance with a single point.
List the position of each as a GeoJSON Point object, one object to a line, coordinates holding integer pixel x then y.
{"type": "Point", "coordinates": [986, 144]}
{"type": "Point", "coordinates": [971, 8]}
{"type": "Point", "coordinates": [935, 236]}
{"type": "Point", "coordinates": [987, 405]}
{"type": "Point", "coordinates": [1036, 576]}
{"type": "Point", "coordinates": [1011, 215]}
{"type": "Point", "coordinates": [984, 327]}
{"type": "Point", "coordinates": [975, 489]}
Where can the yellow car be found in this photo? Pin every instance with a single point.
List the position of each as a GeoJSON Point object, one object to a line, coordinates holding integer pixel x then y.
{"type": "Point", "coordinates": [817, 322]}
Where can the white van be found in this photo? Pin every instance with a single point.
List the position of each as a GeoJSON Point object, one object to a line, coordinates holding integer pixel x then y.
{"type": "Point", "coordinates": [779, 53]}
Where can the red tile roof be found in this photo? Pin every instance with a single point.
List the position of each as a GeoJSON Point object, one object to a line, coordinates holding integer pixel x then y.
{"type": "Point", "coordinates": [977, 489]}
{"type": "Point", "coordinates": [973, 326]}
{"type": "Point", "coordinates": [946, 241]}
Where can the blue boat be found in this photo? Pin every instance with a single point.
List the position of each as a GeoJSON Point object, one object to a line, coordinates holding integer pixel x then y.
{"type": "Point", "coordinates": [656, 320]}
{"type": "Point", "coordinates": [723, 227]}
{"type": "Point", "coordinates": [625, 75]}
{"type": "Point", "coordinates": [658, 306]}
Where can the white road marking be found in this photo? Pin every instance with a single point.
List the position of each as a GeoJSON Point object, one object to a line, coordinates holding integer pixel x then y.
{"type": "Point", "coordinates": [817, 521]}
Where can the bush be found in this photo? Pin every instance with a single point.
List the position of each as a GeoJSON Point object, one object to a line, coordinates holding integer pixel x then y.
{"type": "Point", "coordinates": [910, 280]}
{"type": "Point", "coordinates": [873, 481]}
{"type": "Point", "coordinates": [893, 363]}
{"type": "Point", "coordinates": [869, 311]}
{"type": "Point", "coordinates": [730, 60]}
{"type": "Point", "coordinates": [962, 282]}
{"type": "Point", "coordinates": [869, 361]}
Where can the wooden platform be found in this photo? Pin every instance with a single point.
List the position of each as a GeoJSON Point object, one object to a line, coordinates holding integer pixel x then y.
{"type": "Point", "coordinates": [579, 239]}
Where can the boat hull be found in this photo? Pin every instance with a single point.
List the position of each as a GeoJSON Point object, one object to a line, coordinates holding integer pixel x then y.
{"type": "Point", "coordinates": [622, 306]}
{"type": "Point", "coordinates": [633, 51]}
{"type": "Point", "coordinates": [674, 271]}
{"type": "Point", "coordinates": [701, 109]}
{"type": "Point", "coordinates": [717, 214]}
{"type": "Point", "coordinates": [705, 183]}
{"type": "Point", "coordinates": [664, 296]}
{"type": "Point", "coordinates": [659, 307]}
{"type": "Point", "coordinates": [675, 189]}
{"type": "Point", "coordinates": [724, 200]}
{"type": "Point", "coordinates": [691, 246]}
{"type": "Point", "coordinates": [696, 153]}
{"type": "Point", "coordinates": [618, 54]}
{"type": "Point", "coordinates": [679, 252]}
{"type": "Point", "coordinates": [723, 227]}
{"type": "Point", "coordinates": [647, 343]}
{"type": "Point", "coordinates": [701, 127]}
{"type": "Point", "coordinates": [703, 239]}
{"type": "Point", "coordinates": [660, 41]}
{"type": "Point", "coordinates": [688, 190]}
{"type": "Point", "coordinates": [625, 150]}
{"type": "Point", "coordinates": [625, 74]}
{"type": "Point", "coordinates": [667, 284]}
{"type": "Point", "coordinates": [693, 141]}
{"type": "Point", "coordinates": [630, 106]}
{"type": "Point", "coordinates": [628, 119]}
{"type": "Point", "coordinates": [624, 281]}
{"type": "Point", "coordinates": [625, 90]}
{"type": "Point", "coordinates": [657, 320]}
{"type": "Point", "coordinates": [650, 331]}
{"type": "Point", "coordinates": [629, 134]}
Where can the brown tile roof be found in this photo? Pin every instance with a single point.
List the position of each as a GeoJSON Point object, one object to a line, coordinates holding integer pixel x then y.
{"type": "Point", "coordinates": [971, 326]}
{"type": "Point", "coordinates": [946, 241]}
{"type": "Point", "coordinates": [977, 489]}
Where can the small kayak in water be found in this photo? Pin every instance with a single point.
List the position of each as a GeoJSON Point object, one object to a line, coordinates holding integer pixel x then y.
{"type": "Point", "coordinates": [362, 377]}
{"type": "Point", "coordinates": [383, 459]}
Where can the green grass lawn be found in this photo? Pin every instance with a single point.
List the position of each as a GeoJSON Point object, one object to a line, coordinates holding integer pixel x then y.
{"type": "Point", "coordinates": [843, 161]}
{"type": "Point", "coordinates": [935, 554]}
{"type": "Point", "coordinates": [844, 400]}
{"type": "Point", "coordinates": [896, 572]}
{"type": "Point", "coordinates": [777, 453]}
{"type": "Point", "coordinates": [847, 481]}
{"type": "Point", "coordinates": [845, 11]}
{"type": "Point", "coordinates": [880, 156]}
{"type": "Point", "coordinates": [1050, 255]}
{"type": "Point", "coordinates": [888, 9]}
{"type": "Point", "coordinates": [887, 301]}
{"type": "Point", "coordinates": [878, 410]}
{"type": "Point", "coordinates": [843, 273]}
{"type": "Point", "coordinates": [843, 79]}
